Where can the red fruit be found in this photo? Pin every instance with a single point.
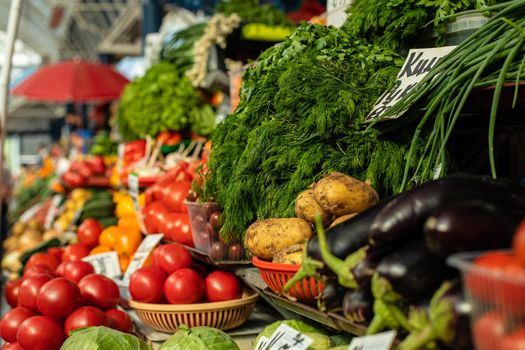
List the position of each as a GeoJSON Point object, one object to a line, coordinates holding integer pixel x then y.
{"type": "Point", "coordinates": [119, 320]}
{"type": "Point", "coordinates": [99, 291]}
{"type": "Point", "coordinates": [89, 232]}
{"type": "Point", "coordinates": [222, 286]}
{"type": "Point", "coordinates": [518, 243]}
{"type": "Point", "coordinates": [173, 257]}
{"type": "Point", "coordinates": [56, 252]}
{"type": "Point", "coordinates": [40, 333]}
{"type": "Point", "coordinates": [12, 346]}
{"type": "Point", "coordinates": [29, 291]}
{"type": "Point", "coordinates": [514, 341]}
{"type": "Point", "coordinates": [85, 316]}
{"type": "Point", "coordinates": [45, 259]}
{"type": "Point", "coordinates": [61, 269]}
{"type": "Point", "coordinates": [488, 331]}
{"type": "Point", "coordinates": [146, 284]}
{"type": "Point", "coordinates": [38, 270]}
{"type": "Point", "coordinates": [58, 298]}
{"type": "Point", "coordinates": [11, 321]}
{"type": "Point", "coordinates": [75, 252]}
{"type": "Point", "coordinates": [76, 270]}
{"type": "Point", "coordinates": [184, 286]}
{"type": "Point", "coordinates": [12, 288]}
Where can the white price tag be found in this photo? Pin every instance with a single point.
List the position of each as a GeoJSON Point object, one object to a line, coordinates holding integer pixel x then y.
{"type": "Point", "coordinates": [380, 341]}
{"type": "Point", "coordinates": [52, 211]}
{"type": "Point", "coordinates": [336, 12]}
{"type": "Point", "coordinates": [417, 65]}
{"type": "Point", "coordinates": [261, 344]}
{"type": "Point", "coordinates": [287, 338]}
{"type": "Point", "coordinates": [133, 185]}
{"type": "Point", "coordinates": [143, 251]}
{"type": "Point", "coordinates": [106, 264]}
{"type": "Point", "coordinates": [29, 213]}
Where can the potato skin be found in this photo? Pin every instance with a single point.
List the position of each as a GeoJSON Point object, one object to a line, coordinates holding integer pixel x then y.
{"type": "Point", "coordinates": [342, 219]}
{"type": "Point", "coordinates": [306, 207]}
{"type": "Point", "coordinates": [265, 238]}
{"type": "Point", "coordinates": [292, 255]}
{"type": "Point", "coordinates": [341, 194]}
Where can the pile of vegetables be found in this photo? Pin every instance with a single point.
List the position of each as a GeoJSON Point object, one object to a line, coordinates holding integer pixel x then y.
{"type": "Point", "coordinates": [387, 260]}
{"type": "Point", "coordinates": [103, 145]}
{"type": "Point", "coordinates": [173, 277]}
{"type": "Point", "coordinates": [253, 12]}
{"type": "Point", "coordinates": [179, 48]}
{"type": "Point", "coordinates": [103, 338]}
{"type": "Point", "coordinates": [199, 338]}
{"type": "Point", "coordinates": [300, 118]}
{"type": "Point", "coordinates": [163, 99]}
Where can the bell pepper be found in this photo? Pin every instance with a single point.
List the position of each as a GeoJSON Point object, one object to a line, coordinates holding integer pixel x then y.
{"type": "Point", "coordinates": [134, 151]}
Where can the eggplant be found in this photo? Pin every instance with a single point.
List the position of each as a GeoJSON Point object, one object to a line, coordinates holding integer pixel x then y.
{"type": "Point", "coordinates": [413, 271]}
{"type": "Point", "coordinates": [402, 219]}
{"type": "Point", "coordinates": [471, 225]}
{"type": "Point", "coordinates": [358, 305]}
{"type": "Point", "coordinates": [331, 298]}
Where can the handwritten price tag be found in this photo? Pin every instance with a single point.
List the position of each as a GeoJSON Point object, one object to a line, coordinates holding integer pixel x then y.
{"type": "Point", "coordinates": [336, 11]}
{"type": "Point", "coordinates": [105, 264]}
{"type": "Point", "coordinates": [143, 251]}
{"type": "Point", "coordinates": [381, 341]}
{"type": "Point", "coordinates": [285, 338]}
{"type": "Point", "coordinates": [53, 211]}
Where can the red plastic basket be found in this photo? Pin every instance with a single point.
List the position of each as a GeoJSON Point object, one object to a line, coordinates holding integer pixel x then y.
{"type": "Point", "coordinates": [277, 275]}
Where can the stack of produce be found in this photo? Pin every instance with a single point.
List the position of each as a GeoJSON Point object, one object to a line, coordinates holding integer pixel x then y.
{"type": "Point", "coordinates": [80, 172]}
{"type": "Point", "coordinates": [251, 11]}
{"type": "Point", "coordinates": [31, 190]}
{"type": "Point", "coordinates": [102, 338]}
{"type": "Point", "coordinates": [392, 256]}
{"type": "Point", "coordinates": [176, 279]}
{"type": "Point", "coordinates": [99, 206]}
{"type": "Point", "coordinates": [103, 145]}
{"type": "Point", "coordinates": [57, 294]}
{"type": "Point", "coordinates": [73, 204]}
{"type": "Point", "coordinates": [199, 338]}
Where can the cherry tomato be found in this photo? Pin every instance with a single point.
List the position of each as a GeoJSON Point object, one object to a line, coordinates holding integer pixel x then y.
{"type": "Point", "coordinates": [119, 320]}
{"type": "Point", "coordinates": [38, 270]}
{"type": "Point", "coordinates": [154, 214]}
{"type": "Point", "coordinates": [12, 346]}
{"type": "Point", "coordinates": [510, 292]}
{"type": "Point", "coordinates": [173, 257]}
{"type": "Point", "coordinates": [146, 284]}
{"type": "Point", "coordinates": [58, 298]}
{"type": "Point", "coordinates": [488, 331]}
{"type": "Point", "coordinates": [222, 286]}
{"type": "Point", "coordinates": [29, 291]}
{"type": "Point", "coordinates": [45, 259]}
{"type": "Point", "coordinates": [479, 284]}
{"type": "Point", "coordinates": [40, 333]}
{"type": "Point", "coordinates": [56, 252]}
{"type": "Point", "coordinates": [514, 341]}
{"type": "Point", "coordinates": [76, 270]}
{"type": "Point", "coordinates": [184, 286]}
{"type": "Point", "coordinates": [99, 291]}
{"type": "Point", "coordinates": [11, 321]}
{"type": "Point", "coordinates": [12, 288]}
{"type": "Point", "coordinates": [75, 252]}
{"type": "Point", "coordinates": [175, 194]}
{"type": "Point", "coordinates": [86, 316]}
{"type": "Point", "coordinates": [88, 232]}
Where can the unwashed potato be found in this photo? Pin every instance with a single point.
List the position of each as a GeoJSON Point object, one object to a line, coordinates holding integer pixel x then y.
{"type": "Point", "coordinates": [18, 228]}
{"type": "Point", "coordinates": [341, 194]}
{"type": "Point", "coordinates": [290, 255]}
{"type": "Point", "coordinates": [33, 224]}
{"type": "Point", "coordinates": [11, 243]}
{"type": "Point", "coordinates": [264, 238]}
{"type": "Point", "coordinates": [29, 240]}
{"type": "Point", "coordinates": [306, 207]}
{"type": "Point", "coordinates": [50, 234]}
{"type": "Point", "coordinates": [342, 219]}
{"type": "Point", "coordinates": [11, 261]}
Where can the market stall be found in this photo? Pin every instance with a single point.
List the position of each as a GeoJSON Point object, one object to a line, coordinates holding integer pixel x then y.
{"type": "Point", "coordinates": [350, 188]}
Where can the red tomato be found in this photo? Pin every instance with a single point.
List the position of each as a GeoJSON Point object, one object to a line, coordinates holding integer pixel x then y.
{"type": "Point", "coordinates": [75, 252]}
{"type": "Point", "coordinates": [488, 331]}
{"type": "Point", "coordinates": [155, 256]}
{"type": "Point", "coordinates": [184, 286]}
{"type": "Point", "coordinates": [119, 320]}
{"type": "Point", "coordinates": [510, 292]}
{"type": "Point", "coordinates": [61, 269]}
{"type": "Point", "coordinates": [177, 227]}
{"type": "Point", "coordinates": [38, 270]}
{"type": "Point", "coordinates": [154, 213]}
{"type": "Point", "coordinates": [86, 316]}
{"type": "Point", "coordinates": [222, 286]}
{"type": "Point", "coordinates": [173, 257]}
{"type": "Point", "coordinates": [514, 341]}
{"type": "Point", "coordinates": [29, 290]}
{"type": "Point", "coordinates": [11, 321]}
{"type": "Point", "coordinates": [56, 252]}
{"type": "Point", "coordinates": [12, 288]}
{"type": "Point", "coordinates": [175, 194]}
{"type": "Point", "coordinates": [12, 346]}
{"type": "Point", "coordinates": [45, 259]}
{"type": "Point", "coordinates": [89, 232]}
{"type": "Point", "coordinates": [518, 243]}
{"type": "Point", "coordinates": [97, 164]}
{"type": "Point", "coordinates": [58, 298]}
{"type": "Point", "coordinates": [479, 284]}
{"type": "Point", "coordinates": [76, 270]}
{"type": "Point", "coordinates": [99, 291]}
{"type": "Point", "coordinates": [40, 333]}
{"type": "Point", "coordinates": [146, 284]}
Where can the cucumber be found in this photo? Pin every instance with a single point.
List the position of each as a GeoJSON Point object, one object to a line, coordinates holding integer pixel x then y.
{"type": "Point", "coordinates": [98, 205]}
{"type": "Point", "coordinates": [97, 214]}
{"type": "Point", "coordinates": [42, 247]}
{"type": "Point", "coordinates": [111, 221]}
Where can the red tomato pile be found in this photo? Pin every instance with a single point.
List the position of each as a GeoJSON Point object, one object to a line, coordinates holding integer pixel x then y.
{"type": "Point", "coordinates": [165, 210]}
{"type": "Point", "coordinates": [80, 171]}
{"type": "Point", "coordinates": [499, 281]}
{"type": "Point", "coordinates": [175, 279]}
{"type": "Point", "coordinates": [55, 297]}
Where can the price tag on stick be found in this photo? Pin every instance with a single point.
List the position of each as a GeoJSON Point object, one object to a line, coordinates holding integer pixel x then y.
{"type": "Point", "coordinates": [143, 251]}
{"type": "Point", "coordinates": [287, 338]}
{"type": "Point", "coordinates": [52, 211]}
{"type": "Point", "coordinates": [380, 341]}
{"type": "Point", "coordinates": [105, 264]}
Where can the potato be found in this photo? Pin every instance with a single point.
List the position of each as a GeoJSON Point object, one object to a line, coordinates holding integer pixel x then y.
{"type": "Point", "coordinates": [265, 238]}
{"type": "Point", "coordinates": [290, 255]}
{"type": "Point", "coordinates": [341, 194]}
{"type": "Point", "coordinates": [11, 261]}
{"type": "Point", "coordinates": [342, 219]}
{"type": "Point", "coordinates": [18, 228]}
{"type": "Point", "coordinates": [11, 243]}
{"type": "Point", "coordinates": [306, 207]}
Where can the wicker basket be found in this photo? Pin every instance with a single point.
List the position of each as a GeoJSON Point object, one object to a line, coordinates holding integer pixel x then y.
{"type": "Point", "coordinates": [223, 315]}
{"type": "Point", "coordinates": [277, 275]}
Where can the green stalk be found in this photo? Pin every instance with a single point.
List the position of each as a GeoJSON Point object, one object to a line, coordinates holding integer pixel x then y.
{"type": "Point", "coordinates": [517, 82]}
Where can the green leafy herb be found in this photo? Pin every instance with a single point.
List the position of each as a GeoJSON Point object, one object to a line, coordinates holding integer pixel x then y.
{"type": "Point", "coordinates": [253, 11]}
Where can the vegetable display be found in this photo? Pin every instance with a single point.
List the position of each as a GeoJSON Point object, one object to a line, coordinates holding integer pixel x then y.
{"type": "Point", "coordinates": [253, 11]}
{"type": "Point", "coordinates": [102, 338]}
{"type": "Point", "coordinates": [199, 338]}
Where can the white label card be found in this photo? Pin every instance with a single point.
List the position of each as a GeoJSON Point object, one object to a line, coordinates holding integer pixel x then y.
{"type": "Point", "coordinates": [29, 213]}
{"type": "Point", "coordinates": [417, 65]}
{"type": "Point", "coordinates": [380, 341]}
{"type": "Point", "coordinates": [146, 246]}
{"type": "Point", "coordinates": [261, 344]}
{"type": "Point", "coordinates": [52, 211]}
{"type": "Point", "coordinates": [106, 264]}
{"type": "Point", "coordinates": [336, 12]}
{"type": "Point", "coordinates": [287, 338]}
{"type": "Point", "coordinates": [134, 192]}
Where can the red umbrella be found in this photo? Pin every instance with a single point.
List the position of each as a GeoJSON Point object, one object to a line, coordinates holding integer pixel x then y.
{"type": "Point", "coordinates": [73, 81]}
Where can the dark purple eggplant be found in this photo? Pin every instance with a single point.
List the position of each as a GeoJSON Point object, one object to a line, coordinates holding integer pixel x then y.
{"type": "Point", "coordinates": [402, 219]}
{"type": "Point", "coordinates": [365, 269]}
{"type": "Point", "coordinates": [471, 225]}
{"type": "Point", "coordinates": [331, 298]}
{"type": "Point", "coordinates": [358, 305]}
{"type": "Point", "coordinates": [413, 270]}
